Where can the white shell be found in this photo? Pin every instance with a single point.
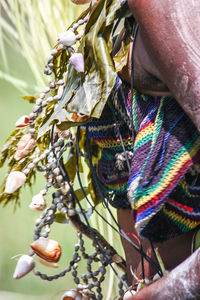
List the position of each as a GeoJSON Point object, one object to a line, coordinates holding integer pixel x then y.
{"type": "Point", "coordinates": [24, 265]}
{"type": "Point", "coordinates": [77, 62]}
{"type": "Point", "coordinates": [71, 294]}
{"type": "Point", "coordinates": [60, 90]}
{"type": "Point", "coordinates": [67, 38]}
{"type": "Point", "coordinates": [23, 121]}
{"type": "Point", "coordinates": [65, 189]}
{"type": "Point", "coordinates": [38, 203]}
{"type": "Point", "coordinates": [129, 294]}
{"type": "Point", "coordinates": [14, 181]}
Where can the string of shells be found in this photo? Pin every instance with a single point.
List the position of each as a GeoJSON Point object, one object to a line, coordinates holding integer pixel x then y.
{"type": "Point", "coordinates": [48, 251]}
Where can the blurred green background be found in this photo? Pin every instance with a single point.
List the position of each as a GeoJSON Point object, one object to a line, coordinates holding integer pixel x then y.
{"type": "Point", "coordinates": [16, 226]}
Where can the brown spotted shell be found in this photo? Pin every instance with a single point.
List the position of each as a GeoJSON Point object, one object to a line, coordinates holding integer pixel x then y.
{"type": "Point", "coordinates": [47, 249]}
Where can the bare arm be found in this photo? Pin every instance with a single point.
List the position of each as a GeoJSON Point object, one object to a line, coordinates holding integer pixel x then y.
{"type": "Point", "coordinates": [170, 33]}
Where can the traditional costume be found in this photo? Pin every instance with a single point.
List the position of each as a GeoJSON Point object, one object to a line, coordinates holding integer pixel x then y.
{"type": "Point", "coordinates": [145, 151]}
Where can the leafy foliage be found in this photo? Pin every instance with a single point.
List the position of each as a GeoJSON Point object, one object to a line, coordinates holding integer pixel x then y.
{"type": "Point", "coordinates": [86, 94]}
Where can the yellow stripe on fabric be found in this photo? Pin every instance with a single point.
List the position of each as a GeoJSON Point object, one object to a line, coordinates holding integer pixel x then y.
{"type": "Point", "coordinates": [184, 188]}
{"type": "Point", "coordinates": [114, 144]}
{"type": "Point", "coordinates": [143, 137]}
{"type": "Point", "coordinates": [181, 221]}
{"type": "Point", "coordinates": [163, 182]}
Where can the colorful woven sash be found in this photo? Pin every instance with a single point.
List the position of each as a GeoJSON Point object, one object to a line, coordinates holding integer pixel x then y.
{"type": "Point", "coordinates": [165, 197]}
{"type": "Point", "coordinates": [165, 202]}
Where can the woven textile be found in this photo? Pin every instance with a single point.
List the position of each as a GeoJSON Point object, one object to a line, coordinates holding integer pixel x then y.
{"type": "Point", "coordinates": [112, 170]}
{"type": "Point", "coordinates": [165, 201]}
{"type": "Point", "coordinates": [165, 197]}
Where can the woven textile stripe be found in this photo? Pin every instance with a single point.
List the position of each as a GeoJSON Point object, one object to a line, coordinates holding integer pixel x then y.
{"type": "Point", "coordinates": [166, 145]}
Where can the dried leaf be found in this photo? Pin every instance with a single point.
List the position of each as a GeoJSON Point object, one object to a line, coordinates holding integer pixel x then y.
{"type": "Point", "coordinates": [30, 99]}
{"type": "Point", "coordinates": [86, 94]}
{"type": "Point", "coordinates": [61, 218]}
{"type": "Point", "coordinates": [80, 195]}
{"type": "Point", "coordinates": [70, 165]}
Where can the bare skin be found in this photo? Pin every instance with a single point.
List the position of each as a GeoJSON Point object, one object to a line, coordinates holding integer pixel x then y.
{"type": "Point", "coordinates": [164, 64]}
{"type": "Point", "coordinates": [173, 251]}
{"type": "Point", "coordinates": [170, 33]}
{"type": "Point", "coordinates": [147, 78]}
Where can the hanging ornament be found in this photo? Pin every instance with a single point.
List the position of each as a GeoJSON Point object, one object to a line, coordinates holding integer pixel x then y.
{"type": "Point", "coordinates": [73, 295]}
{"type": "Point", "coordinates": [67, 38]}
{"type": "Point", "coordinates": [47, 249]}
{"type": "Point", "coordinates": [77, 61]}
{"type": "Point", "coordinates": [22, 122]}
{"type": "Point", "coordinates": [14, 181]}
{"type": "Point", "coordinates": [38, 203]}
{"type": "Point", "coordinates": [24, 265]}
{"type": "Point", "coordinates": [25, 145]}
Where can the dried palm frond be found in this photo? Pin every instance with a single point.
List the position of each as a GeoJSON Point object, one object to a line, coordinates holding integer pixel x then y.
{"type": "Point", "coordinates": [31, 27]}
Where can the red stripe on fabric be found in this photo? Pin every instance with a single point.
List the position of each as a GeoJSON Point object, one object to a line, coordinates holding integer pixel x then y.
{"type": "Point", "coordinates": [187, 208]}
{"type": "Point", "coordinates": [156, 199]}
{"type": "Point", "coordinates": [147, 124]}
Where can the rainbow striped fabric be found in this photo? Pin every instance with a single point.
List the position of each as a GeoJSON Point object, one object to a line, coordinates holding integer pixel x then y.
{"type": "Point", "coordinates": [165, 197]}
{"type": "Point", "coordinates": [163, 185]}
{"type": "Point", "coordinates": [112, 170]}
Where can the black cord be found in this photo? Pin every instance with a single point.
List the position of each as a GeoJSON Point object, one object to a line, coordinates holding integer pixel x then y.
{"type": "Point", "coordinates": [121, 232]}
{"type": "Point", "coordinates": [120, 137]}
{"type": "Point", "coordinates": [66, 178]}
{"type": "Point", "coordinates": [132, 76]}
{"type": "Point", "coordinates": [156, 258]}
{"type": "Point", "coordinates": [95, 179]}
{"type": "Point", "coordinates": [142, 261]}
{"type": "Point", "coordinates": [85, 195]}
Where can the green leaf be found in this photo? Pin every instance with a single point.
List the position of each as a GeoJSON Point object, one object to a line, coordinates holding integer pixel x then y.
{"type": "Point", "coordinates": [86, 94]}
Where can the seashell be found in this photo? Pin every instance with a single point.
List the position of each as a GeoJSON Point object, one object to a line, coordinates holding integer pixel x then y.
{"type": "Point", "coordinates": [22, 122]}
{"type": "Point", "coordinates": [24, 265]}
{"type": "Point", "coordinates": [47, 263]}
{"type": "Point", "coordinates": [77, 62]}
{"type": "Point", "coordinates": [14, 181]}
{"type": "Point", "coordinates": [38, 203]}
{"type": "Point", "coordinates": [77, 118]}
{"type": "Point", "coordinates": [129, 294]}
{"type": "Point", "coordinates": [25, 145]}
{"type": "Point", "coordinates": [67, 38]}
{"type": "Point", "coordinates": [73, 295]}
{"type": "Point", "coordinates": [65, 189]}
{"type": "Point", "coordinates": [47, 249]}
{"type": "Point", "coordinates": [60, 90]}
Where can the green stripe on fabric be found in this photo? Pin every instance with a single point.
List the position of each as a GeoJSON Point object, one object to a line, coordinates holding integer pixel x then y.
{"type": "Point", "coordinates": [172, 162]}
{"type": "Point", "coordinates": [143, 141]}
